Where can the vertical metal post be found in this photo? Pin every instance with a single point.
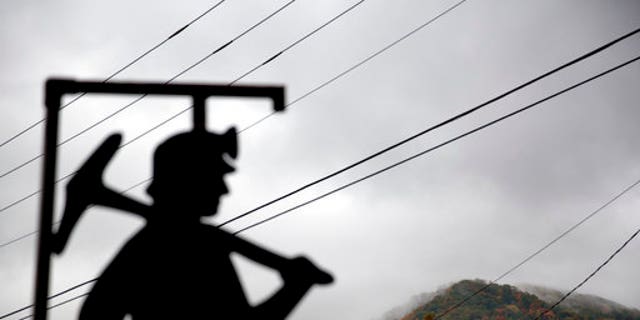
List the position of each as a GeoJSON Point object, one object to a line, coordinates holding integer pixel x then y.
{"type": "Point", "coordinates": [52, 103]}
{"type": "Point", "coordinates": [199, 115]}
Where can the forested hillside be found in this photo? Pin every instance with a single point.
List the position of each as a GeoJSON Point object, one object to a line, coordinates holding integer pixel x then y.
{"type": "Point", "coordinates": [510, 303]}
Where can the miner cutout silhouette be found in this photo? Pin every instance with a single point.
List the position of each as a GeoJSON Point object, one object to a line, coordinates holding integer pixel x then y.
{"type": "Point", "coordinates": [176, 266]}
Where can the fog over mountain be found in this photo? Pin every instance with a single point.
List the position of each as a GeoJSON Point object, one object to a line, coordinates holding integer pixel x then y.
{"type": "Point", "coordinates": [497, 301]}
{"type": "Point", "coordinates": [575, 301]}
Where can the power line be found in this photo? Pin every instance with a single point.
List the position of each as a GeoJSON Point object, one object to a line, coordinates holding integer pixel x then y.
{"type": "Point", "coordinates": [184, 110]}
{"type": "Point", "coordinates": [539, 251]}
{"type": "Point", "coordinates": [590, 275]}
{"type": "Point", "coordinates": [237, 79]}
{"type": "Point", "coordinates": [452, 140]}
{"type": "Point", "coordinates": [59, 304]}
{"type": "Point", "coordinates": [350, 69]}
{"type": "Point", "coordinates": [21, 200]}
{"type": "Point", "coordinates": [37, 192]}
{"type": "Point", "coordinates": [488, 124]}
{"type": "Point", "coordinates": [31, 195]}
{"type": "Point", "coordinates": [24, 236]}
{"type": "Point", "coordinates": [422, 153]}
{"type": "Point", "coordinates": [73, 287]}
{"type": "Point", "coordinates": [457, 138]}
{"type": "Point", "coordinates": [138, 99]}
{"type": "Point", "coordinates": [182, 72]}
{"type": "Point", "coordinates": [362, 62]}
{"type": "Point", "coordinates": [134, 61]}
{"type": "Point", "coordinates": [304, 96]}
{"type": "Point", "coordinates": [425, 131]}
{"type": "Point", "coordinates": [32, 233]}
{"type": "Point", "coordinates": [65, 291]}
{"type": "Point", "coordinates": [242, 34]}
{"type": "Point", "coordinates": [404, 141]}
{"type": "Point", "coordinates": [251, 71]}
{"type": "Point", "coordinates": [295, 43]}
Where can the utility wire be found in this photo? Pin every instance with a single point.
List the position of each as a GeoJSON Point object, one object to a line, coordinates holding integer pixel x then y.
{"type": "Point", "coordinates": [73, 287]}
{"type": "Point", "coordinates": [295, 43]}
{"type": "Point", "coordinates": [37, 192]}
{"type": "Point", "coordinates": [362, 62]}
{"type": "Point", "coordinates": [138, 99]}
{"type": "Point", "coordinates": [425, 131]}
{"type": "Point", "coordinates": [31, 195]}
{"type": "Point", "coordinates": [231, 83]}
{"type": "Point", "coordinates": [539, 251]}
{"type": "Point", "coordinates": [304, 96]}
{"type": "Point", "coordinates": [59, 304]}
{"type": "Point", "coordinates": [457, 138]}
{"type": "Point", "coordinates": [189, 68]}
{"type": "Point", "coordinates": [384, 150]}
{"type": "Point", "coordinates": [422, 153]}
{"type": "Point", "coordinates": [19, 201]}
{"type": "Point", "coordinates": [324, 84]}
{"type": "Point", "coordinates": [134, 61]}
{"type": "Point", "coordinates": [77, 286]}
{"type": "Point", "coordinates": [590, 275]}
{"type": "Point", "coordinates": [32, 233]}
{"type": "Point", "coordinates": [430, 150]}
{"type": "Point", "coordinates": [24, 236]}
{"type": "Point", "coordinates": [184, 110]}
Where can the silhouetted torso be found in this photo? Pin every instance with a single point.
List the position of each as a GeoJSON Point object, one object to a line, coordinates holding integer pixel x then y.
{"type": "Point", "coordinates": [172, 271]}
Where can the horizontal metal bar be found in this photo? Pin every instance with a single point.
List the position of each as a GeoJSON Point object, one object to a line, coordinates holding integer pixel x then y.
{"type": "Point", "coordinates": [57, 87]}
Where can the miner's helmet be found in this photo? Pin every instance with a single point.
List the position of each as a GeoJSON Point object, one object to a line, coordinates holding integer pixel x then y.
{"type": "Point", "coordinates": [189, 157]}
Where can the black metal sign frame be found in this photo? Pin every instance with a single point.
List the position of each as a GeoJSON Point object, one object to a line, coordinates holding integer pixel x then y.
{"type": "Point", "coordinates": [55, 89]}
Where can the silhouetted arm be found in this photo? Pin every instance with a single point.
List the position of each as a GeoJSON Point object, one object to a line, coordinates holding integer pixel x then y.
{"type": "Point", "coordinates": [256, 253]}
{"type": "Point", "coordinates": [298, 277]}
{"type": "Point", "coordinates": [298, 274]}
{"type": "Point", "coordinates": [275, 261]}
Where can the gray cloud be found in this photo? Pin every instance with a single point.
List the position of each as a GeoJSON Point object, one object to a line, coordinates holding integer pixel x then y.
{"type": "Point", "coordinates": [470, 210]}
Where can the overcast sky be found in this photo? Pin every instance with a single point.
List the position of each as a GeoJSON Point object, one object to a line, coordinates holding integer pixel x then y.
{"type": "Point", "coordinates": [472, 209]}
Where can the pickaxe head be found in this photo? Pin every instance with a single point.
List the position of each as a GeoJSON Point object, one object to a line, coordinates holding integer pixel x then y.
{"type": "Point", "coordinates": [84, 189]}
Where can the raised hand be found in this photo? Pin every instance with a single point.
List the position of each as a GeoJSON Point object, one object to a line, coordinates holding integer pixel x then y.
{"type": "Point", "coordinates": [301, 269]}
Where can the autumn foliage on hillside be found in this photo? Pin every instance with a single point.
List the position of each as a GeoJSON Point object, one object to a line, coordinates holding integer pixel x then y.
{"type": "Point", "coordinates": [504, 302]}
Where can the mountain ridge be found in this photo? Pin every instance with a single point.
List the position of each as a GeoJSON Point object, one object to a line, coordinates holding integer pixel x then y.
{"type": "Point", "coordinates": [509, 302]}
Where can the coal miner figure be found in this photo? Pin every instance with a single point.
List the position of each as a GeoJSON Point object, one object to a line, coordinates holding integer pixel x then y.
{"type": "Point", "coordinates": [176, 266]}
